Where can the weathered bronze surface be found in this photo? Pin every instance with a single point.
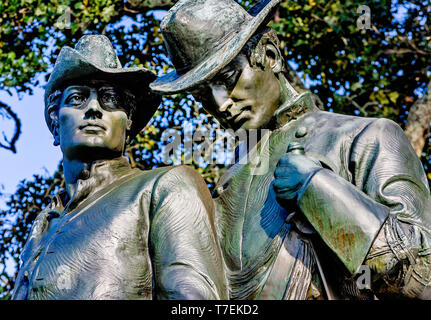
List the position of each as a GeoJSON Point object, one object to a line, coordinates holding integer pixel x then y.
{"type": "Point", "coordinates": [118, 232]}
{"type": "Point", "coordinates": [357, 195]}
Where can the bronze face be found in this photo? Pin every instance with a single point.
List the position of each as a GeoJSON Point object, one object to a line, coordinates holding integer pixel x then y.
{"type": "Point", "coordinates": [92, 116]}
{"type": "Point", "coordinates": [241, 96]}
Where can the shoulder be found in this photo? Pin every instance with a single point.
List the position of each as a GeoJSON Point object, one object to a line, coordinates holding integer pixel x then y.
{"type": "Point", "coordinates": [329, 121]}
{"type": "Point", "coordinates": [382, 128]}
{"type": "Point", "coordinates": [181, 173]}
{"type": "Point", "coordinates": [179, 176]}
{"type": "Point", "coordinates": [344, 122]}
{"type": "Point", "coordinates": [383, 151]}
{"type": "Point", "coordinates": [332, 127]}
{"type": "Point", "coordinates": [384, 136]}
{"type": "Point", "coordinates": [180, 183]}
{"type": "Point", "coordinates": [166, 184]}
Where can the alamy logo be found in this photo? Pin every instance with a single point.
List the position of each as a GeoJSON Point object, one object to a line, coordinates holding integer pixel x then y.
{"type": "Point", "coordinates": [224, 147]}
{"type": "Point", "coordinates": [363, 281]}
{"type": "Point", "coordinates": [63, 22]}
{"type": "Point", "coordinates": [364, 20]}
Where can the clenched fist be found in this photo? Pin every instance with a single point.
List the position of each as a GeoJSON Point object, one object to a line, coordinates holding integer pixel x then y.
{"type": "Point", "coordinates": [292, 174]}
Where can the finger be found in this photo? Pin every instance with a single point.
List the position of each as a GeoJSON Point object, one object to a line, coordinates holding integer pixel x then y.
{"type": "Point", "coordinates": [286, 185]}
{"type": "Point", "coordinates": [285, 193]}
{"type": "Point", "coordinates": [283, 172]}
{"type": "Point", "coordinates": [285, 196]}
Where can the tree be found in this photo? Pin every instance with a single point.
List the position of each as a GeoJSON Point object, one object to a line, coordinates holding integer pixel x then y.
{"type": "Point", "coordinates": [379, 70]}
{"type": "Point", "coordinates": [27, 27]}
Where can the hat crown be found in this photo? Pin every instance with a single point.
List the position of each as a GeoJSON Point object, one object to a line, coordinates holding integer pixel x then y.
{"type": "Point", "coordinates": [98, 50]}
{"type": "Point", "coordinates": [194, 29]}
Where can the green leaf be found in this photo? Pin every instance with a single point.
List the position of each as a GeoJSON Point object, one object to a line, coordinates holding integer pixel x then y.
{"type": "Point", "coordinates": [393, 96]}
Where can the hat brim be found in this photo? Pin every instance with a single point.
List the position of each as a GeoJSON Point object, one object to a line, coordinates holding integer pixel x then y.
{"type": "Point", "coordinates": [73, 66]}
{"type": "Point", "coordinates": [173, 82]}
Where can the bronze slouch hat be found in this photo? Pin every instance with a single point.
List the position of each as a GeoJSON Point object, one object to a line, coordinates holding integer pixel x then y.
{"type": "Point", "coordinates": [203, 36]}
{"type": "Point", "coordinates": [94, 57]}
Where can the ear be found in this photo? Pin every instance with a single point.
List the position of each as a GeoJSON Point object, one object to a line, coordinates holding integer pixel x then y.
{"type": "Point", "coordinates": [128, 128]}
{"type": "Point", "coordinates": [129, 124]}
{"type": "Point", "coordinates": [56, 135]}
{"type": "Point", "coordinates": [273, 58]}
{"type": "Point", "coordinates": [54, 125]}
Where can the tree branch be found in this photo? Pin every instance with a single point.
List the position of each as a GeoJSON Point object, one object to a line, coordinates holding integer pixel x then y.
{"type": "Point", "coordinates": [14, 117]}
{"type": "Point", "coordinates": [145, 5]}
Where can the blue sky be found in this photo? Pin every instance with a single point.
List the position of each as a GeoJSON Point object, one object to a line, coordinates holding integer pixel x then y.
{"type": "Point", "coordinates": [35, 151]}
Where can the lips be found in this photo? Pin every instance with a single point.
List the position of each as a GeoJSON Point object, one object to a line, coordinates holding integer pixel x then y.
{"type": "Point", "coordinates": [92, 125]}
{"type": "Point", "coordinates": [236, 117]}
{"type": "Point", "coordinates": [233, 118]}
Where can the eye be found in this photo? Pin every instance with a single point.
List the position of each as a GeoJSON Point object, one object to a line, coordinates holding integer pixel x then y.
{"type": "Point", "coordinates": [111, 98]}
{"type": "Point", "coordinates": [227, 79]}
{"type": "Point", "coordinates": [229, 74]}
{"type": "Point", "coordinates": [76, 99]}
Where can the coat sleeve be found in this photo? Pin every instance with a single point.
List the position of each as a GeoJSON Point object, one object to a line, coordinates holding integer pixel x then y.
{"type": "Point", "coordinates": [387, 168]}
{"type": "Point", "coordinates": [380, 218]}
{"type": "Point", "coordinates": [185, 252]}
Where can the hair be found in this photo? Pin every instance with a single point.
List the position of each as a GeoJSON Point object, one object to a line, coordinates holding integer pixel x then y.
{"type": "Point", "coordinates": [53, 105]}
{"type": "Point", "coordinates": [254, 49]}
{"type": "Point", "coordinates": [52, 110]}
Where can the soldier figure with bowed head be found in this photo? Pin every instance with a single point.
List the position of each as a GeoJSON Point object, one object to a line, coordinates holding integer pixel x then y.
{"type": "Point", "coordinates": [341, 194]}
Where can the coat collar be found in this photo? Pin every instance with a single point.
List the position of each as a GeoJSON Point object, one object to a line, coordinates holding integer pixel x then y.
{"type": "Point", "coordinates": [295, 106]}
{"type": "Point", "coordinates": [100, 174]}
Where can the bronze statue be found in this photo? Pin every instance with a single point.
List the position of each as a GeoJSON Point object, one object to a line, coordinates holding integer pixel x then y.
{"type": "Point", "coordinates": [118, 232]}
{"type": "Point", "coordinates": [341, 192]}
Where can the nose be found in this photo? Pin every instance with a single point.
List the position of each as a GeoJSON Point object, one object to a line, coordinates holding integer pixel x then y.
{"type": "Point", "coordinates": [94, 110]}
{"type": "Point", "coordinates": [226, 105]}
{"type": "Point", "coordinates": [221, 97]}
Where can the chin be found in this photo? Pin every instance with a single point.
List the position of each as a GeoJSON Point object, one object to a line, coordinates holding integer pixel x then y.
{"type": "Point", "coordinates": [91, 141]}
{"type": "Point", "coordinates": [251, 125]}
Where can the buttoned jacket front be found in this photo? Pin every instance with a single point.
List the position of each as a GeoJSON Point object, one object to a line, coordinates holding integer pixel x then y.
{"type": "Point", "coordinates": [368, 205]}
{"type": "Point", "coordinates": [126, 234]}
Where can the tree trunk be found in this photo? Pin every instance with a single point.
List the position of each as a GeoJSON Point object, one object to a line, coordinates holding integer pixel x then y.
{"type": "Point", "coordinates": [418, 122]}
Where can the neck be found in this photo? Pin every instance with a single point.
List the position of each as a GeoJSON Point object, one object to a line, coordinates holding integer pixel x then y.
{"type": "Point", "coordinates": [73, 171]}
{"type": "Point", "coordinates": [86, 178]}
{"type": "Point", "coordinates": [292, 104]}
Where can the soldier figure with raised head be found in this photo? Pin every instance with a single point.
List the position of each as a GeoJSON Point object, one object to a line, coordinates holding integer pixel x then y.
{"type": "Point", "coordinates": [341, 194]}
{"type": "Point", "coordinates": [118, 232]}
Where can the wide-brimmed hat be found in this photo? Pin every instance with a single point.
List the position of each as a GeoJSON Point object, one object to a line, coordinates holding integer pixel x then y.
{"type": "Point", "coordinates": [203, 36]}
{"type": "Point", "coordinates": [94, 57]}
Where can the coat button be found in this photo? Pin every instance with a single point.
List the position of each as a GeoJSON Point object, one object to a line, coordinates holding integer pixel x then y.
{"type": "Point", "coordinates": [301, 132]}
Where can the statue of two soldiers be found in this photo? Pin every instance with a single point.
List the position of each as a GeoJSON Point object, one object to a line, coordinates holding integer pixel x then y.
{"type": "Point", "coordinates": [340, 192]}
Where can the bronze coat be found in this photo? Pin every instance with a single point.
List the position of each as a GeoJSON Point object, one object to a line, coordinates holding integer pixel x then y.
{"type": "Point", "coordinates": [126, 234]}
{"type": "Point", "coordinates": [370, 204]}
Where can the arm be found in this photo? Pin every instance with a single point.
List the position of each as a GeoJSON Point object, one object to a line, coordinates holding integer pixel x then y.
{"type": "Point", "coordinates": [185, 252]}
{"type": "Point", "coordinates": [400, 257]}
{"type": "Point", "coordinates": [380, 218]}
{"type": "Point", "coordinates": [39, 229]}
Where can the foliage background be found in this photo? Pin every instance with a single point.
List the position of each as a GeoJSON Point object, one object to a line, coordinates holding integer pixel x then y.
{"type": "Point", "coordinates": [383, 71]}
